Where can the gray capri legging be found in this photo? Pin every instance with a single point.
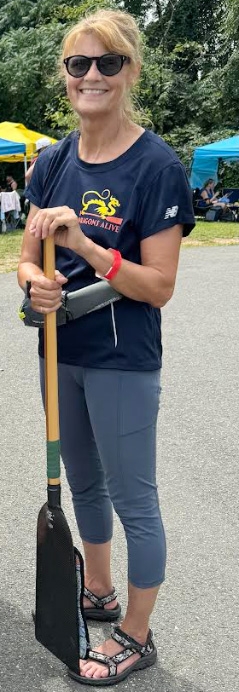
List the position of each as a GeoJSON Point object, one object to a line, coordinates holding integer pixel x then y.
{"type": "Point", "coordinates": [108, 445]}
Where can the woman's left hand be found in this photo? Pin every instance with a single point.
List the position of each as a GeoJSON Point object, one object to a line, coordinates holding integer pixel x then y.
{"type": "Point", "coordinates": [61, 222]}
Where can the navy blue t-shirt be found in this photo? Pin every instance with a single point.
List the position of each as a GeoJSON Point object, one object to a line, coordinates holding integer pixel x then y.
{"type": "Point", "coordinates": [140, 193]}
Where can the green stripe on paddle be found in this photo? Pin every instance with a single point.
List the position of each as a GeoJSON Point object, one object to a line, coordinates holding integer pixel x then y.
{"type": "Point", "coordinates": [53, 459]}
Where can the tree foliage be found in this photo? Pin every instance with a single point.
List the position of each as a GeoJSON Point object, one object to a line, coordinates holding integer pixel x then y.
{"type": "Point", "coordinates": [189, 83]}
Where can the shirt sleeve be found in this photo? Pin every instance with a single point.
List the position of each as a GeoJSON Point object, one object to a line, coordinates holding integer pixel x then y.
{"type": "Point", "coordinates": [167, 201]}
{"type": "Point", "coordinates": [34, 190]}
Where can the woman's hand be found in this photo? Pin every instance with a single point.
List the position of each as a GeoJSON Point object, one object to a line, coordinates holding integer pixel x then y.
{"type": "Point", "coordinates": [61, 222]}
{"type": "Point", "coordinates": [45, 293]}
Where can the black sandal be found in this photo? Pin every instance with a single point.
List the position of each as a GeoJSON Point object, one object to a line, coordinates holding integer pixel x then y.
{"type": "Point", "coordinates": [148, 656]}
{"type": "Point", "coordinates": [98, 610]}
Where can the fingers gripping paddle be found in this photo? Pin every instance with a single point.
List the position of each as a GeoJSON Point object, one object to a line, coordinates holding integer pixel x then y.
{"type": "Point", "coordinates": [57, 620]}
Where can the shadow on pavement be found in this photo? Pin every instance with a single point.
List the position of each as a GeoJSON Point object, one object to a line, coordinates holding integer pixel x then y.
{"type": "Point", "coordinates": [26, 667]}
{"type": "Point", "coordinates": [158, 678]}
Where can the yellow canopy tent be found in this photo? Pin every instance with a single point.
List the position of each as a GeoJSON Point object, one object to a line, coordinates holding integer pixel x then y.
{"type": "Point", "coordinates": [16, 132]}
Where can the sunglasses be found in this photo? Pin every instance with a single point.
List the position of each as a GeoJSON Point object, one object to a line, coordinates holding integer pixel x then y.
{"type": "Point", "coordinates": [108, 64]}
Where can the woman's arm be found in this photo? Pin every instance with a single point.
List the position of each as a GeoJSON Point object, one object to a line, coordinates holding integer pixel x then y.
{"type": "Point", "coordinates": [152, 282]}
{"type": "Point", "coordinates": [45, 294]}
{"type": "Point", "coordinates": [30, 258]}
{"type": "Point", "coordinates": [209, 200]}
{"type": "Point", "coordinates": [204, 196]}
{"type": "Point", "coordinates": [29, 173]}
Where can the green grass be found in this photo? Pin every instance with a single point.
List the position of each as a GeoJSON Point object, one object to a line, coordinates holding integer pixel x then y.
{"type": "Point", "coordinates": [204, 233]}
{"type": "Point", "coordinates": [209, 233]}
{"type": "Point", "coordinates": [10, 246]}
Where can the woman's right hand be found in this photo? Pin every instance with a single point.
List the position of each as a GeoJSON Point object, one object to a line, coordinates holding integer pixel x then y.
{"type": "Point", "coordinates": [45, 293]}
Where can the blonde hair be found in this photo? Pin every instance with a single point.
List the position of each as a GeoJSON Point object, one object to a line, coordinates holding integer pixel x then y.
{"type": "Point", "coordinates": [119, 33]}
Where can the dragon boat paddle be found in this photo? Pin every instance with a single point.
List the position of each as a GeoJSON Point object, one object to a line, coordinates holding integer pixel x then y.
{"type": "Point", "coordinates": [57, 583]}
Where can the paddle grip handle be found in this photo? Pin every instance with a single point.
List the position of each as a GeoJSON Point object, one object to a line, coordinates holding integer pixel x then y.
{"type": "Point", "coordinates": [51, 376]}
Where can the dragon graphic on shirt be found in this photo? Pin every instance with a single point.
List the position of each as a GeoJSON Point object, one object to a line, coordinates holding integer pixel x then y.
{"type": "Point", "coordinates": [105, 204]}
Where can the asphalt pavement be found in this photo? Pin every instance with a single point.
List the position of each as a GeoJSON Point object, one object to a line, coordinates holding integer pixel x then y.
{"type": "Point", "coordinates": [196, 619]}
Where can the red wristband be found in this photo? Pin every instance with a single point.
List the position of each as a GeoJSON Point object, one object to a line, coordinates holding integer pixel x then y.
{"type": "Point", "coordinates": [113, 270]}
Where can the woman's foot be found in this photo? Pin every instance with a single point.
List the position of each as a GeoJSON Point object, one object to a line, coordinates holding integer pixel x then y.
{"type": "Point", "coordinates": [93, 669]}
{"type": "Point", "coordinates": [116, 658]}
{"type": "Point", "coordinates": [87, 603]}
{"type": "Point", "coordinates": [98, 607]}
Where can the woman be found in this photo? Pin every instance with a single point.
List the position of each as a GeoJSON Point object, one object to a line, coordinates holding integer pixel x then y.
{"type": "Point", "coordinates": [114, 187]}
{"type": "Point", "coordinates": [209, 197]}
{"type": "Point", "coordinates": [41, 144]}
{"type": "Point", "coordinates": [11, 184]}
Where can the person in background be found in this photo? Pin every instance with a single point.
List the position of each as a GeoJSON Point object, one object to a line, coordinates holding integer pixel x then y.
{"type": "Point", "coordinates": [209, 196]}
{"type": "Point", "coordinates": [41, 144]}
{"type": "Point", "coordinates": [118, 203]}
{"type": "Point", "coordinates": [11, 184]}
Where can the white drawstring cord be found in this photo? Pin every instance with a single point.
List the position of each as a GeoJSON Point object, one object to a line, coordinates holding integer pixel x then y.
{"type": "Point", "coordinates": [113, 323]}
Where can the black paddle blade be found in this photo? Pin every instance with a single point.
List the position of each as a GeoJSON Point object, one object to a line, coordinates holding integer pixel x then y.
{"type": "Point", "coordinates": [56, 624]}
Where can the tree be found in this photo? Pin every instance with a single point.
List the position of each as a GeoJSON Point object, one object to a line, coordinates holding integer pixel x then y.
{"type": "Point", "coordinates": [28, 75]}
{"type": "Point", "coordinates": [189, 80]}
{"type": "Point", "coordinates": [231, 24]}
{"type": "Point", "coordinates": [30, 45]}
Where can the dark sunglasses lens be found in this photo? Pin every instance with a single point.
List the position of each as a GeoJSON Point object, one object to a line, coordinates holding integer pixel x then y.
{"type": "Point", "coordinates": [78, 65]}
{"type": "Point", "coordinates": [110, 64]}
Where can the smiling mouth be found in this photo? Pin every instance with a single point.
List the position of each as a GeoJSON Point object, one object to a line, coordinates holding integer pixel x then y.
{"type": "Point", "coordinates": [93, 91]}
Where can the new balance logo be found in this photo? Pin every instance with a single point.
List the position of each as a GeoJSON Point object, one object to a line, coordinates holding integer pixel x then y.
{"type": "Point", "coordinates": [171, 212]}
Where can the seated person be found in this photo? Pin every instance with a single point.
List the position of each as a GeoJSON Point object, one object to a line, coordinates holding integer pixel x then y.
{"type": "Point", "coordinates": [41, 144]}
{"type": "Point", "coordinates": [209, 197]}
{"type": "Point", "coordinates": [11, 184]}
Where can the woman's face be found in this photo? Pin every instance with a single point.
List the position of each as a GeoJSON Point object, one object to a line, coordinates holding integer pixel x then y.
{"type": "Point", "coordinates": [95, 95]}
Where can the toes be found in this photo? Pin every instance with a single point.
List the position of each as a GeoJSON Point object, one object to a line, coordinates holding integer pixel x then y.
{"type": "Point", "coordinates": [90, 673]}
{"type": "Point", "coordinates": [85, 667]}
{"type": "Point", "coordinates": [83, 663]}
{"type": "Point", "coordinates": [100, 672]}
{"type": "Point", "coordinates": [90, 669]}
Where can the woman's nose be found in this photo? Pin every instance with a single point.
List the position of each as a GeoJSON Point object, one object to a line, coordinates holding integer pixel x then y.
{"type": "Point", "coordinates": [93, 72]}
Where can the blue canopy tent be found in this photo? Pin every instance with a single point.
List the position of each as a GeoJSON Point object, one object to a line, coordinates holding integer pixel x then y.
{"type": "Point", "coordinates": [10, 148]}
{"type": "Point", "coordinates": [206, 159]}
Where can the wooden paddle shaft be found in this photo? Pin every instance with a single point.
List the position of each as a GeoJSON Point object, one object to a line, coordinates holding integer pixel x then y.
{"type": "Point", "coordinates": [50, 338]}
